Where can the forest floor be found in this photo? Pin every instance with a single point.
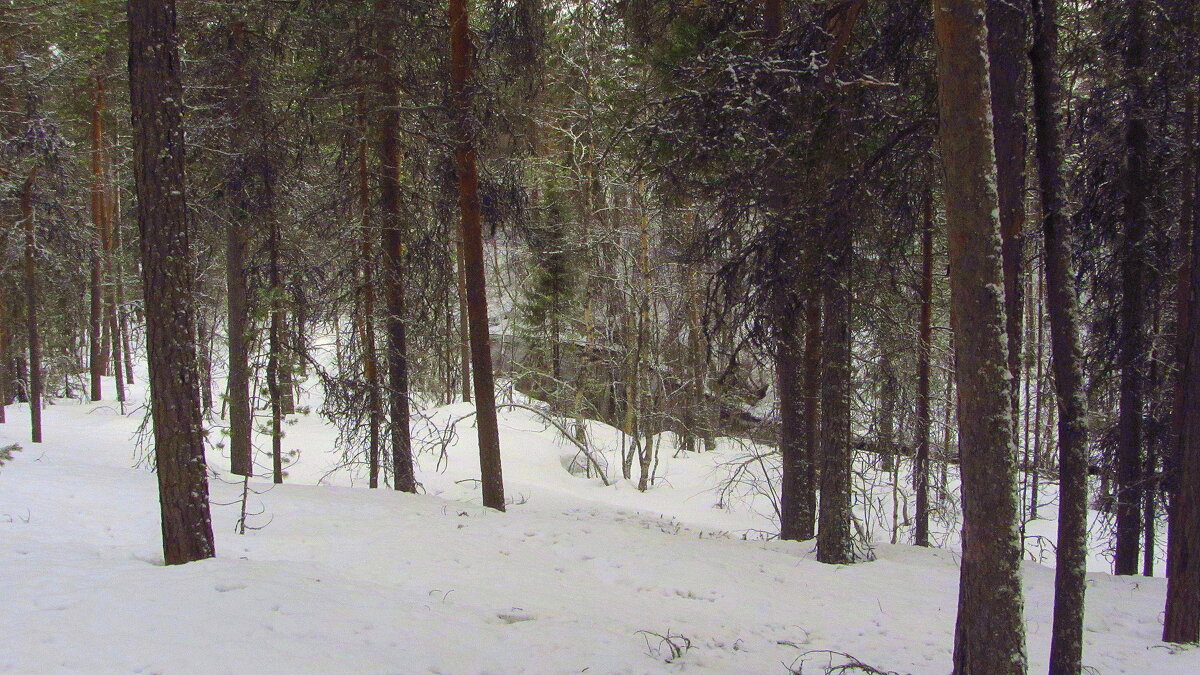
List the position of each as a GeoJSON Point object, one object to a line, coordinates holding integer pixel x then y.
{"type": "Point", "coordinates": [576, 577]}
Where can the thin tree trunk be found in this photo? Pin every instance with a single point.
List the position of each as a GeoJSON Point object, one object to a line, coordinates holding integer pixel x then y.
{"type": "Point", "coordinates": [468, 183]}
{"type": "Point", "coordinates": [119, 285]}
{"type": "Point", "coordinates": [375, 415]}
{"type": "Point", "coordinates": [33, 339]}
{"type": "Point", "coordinates": [112, 271]}
{"type": "Point", "coordinates": [990, 632]}
{"type": "Point", "coordinates": [1038, 378]}
{"type": "Point", "coordinates": [156, 102]}
{"type": "Point", "coordinates": [1150, 465]}
{"type": "Point", "coordinates": [813, 333]}
{"type": "Point", "coordinates": [1130, 492]}
{"type": "Point", "coordinates": [464, 336]}
{"type": "Point", "coordinates": [96, 316]}
{"type": "Point", "coordinates": [924, 339]}
{"type": "Point", "coordinates": [274, 339]}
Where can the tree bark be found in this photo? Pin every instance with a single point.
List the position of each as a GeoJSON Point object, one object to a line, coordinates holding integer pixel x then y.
{"type": "Point", "coordinates": [34, 337]}
{"type": "Point", "coordinates": [834, 543]}
{"type": "Point", "coordinates": [795, 506]}
{"type": "Point", "coordinates": [1130, 491]}
{"type": "Point", "coordinates": [1008, 35]}
{"type": "Point", "coordinates": [375, 414]}
{"type": "Point", "coordinates": [156, 103]}
{"type": "Point", "coordinates": [96, 316]}
{"type": "Point", "coordinates": [404, 478]}
{"type": "Point", "coordinates": [1066, 642]}
{"type": "Point", "coordinates": [990, 633]}
{"type": "Point", "coordinates": [468, 201]}
{"type": "Point", "coordinates": [924, 340]}
{"type": "Point", "coordinates": [1181, 622]}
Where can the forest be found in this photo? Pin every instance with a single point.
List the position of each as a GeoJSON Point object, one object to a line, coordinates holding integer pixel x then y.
{"type": "Point", "coordinates": [610, 336]}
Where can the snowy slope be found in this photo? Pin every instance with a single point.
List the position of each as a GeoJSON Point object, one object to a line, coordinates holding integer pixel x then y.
{"type": "Point", "coordinates": [344, 579]}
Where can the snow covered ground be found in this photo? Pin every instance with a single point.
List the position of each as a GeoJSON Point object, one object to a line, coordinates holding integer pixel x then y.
{"type": "Point", "coordinates": [576, 577]}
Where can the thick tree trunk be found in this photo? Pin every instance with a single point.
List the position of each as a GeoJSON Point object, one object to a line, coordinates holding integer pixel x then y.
{"type": "Point", "coordinates": [468, 201]}
{"type": "Point", "coordinates": [924, 340]}
{"type": "Point", "coordinates": [834, 543]}
{"type": "Point", "coordinates": [34, 338]}
{"type": "Point", "coordinates": [404, 478]}
{"type": "Point", "coordinates": [795, 506]}
{"type": "Point", "coordinates": [156, 103]}
{"type": "Point", "coordinates": [1181, 622]}
{"type": "Point", "coordinates": [1066, 642]}
{"type": "Point", "coordinates": [989, 633]}
{"type": "Point", "coordinates": [1134, 276]}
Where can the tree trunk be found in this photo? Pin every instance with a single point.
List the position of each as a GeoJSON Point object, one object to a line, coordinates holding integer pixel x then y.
{"type": "Point", "coordinates": [96, 316]}
{"type": "Point", "coordinates": [990, 632]}
{"type": "Point", "coordinates": [1181, 622]}
{"type": "Point", "coordinates": [924, 340]}
{"type": "Point", "coordinates": [834, 543]}
{"type": "Point", "coordinates": [112, 272]}
{"type": "Point", "coordinates": [367, 337]}
{"type": "Point", "coordinates": [468, 202]}
{"type": "Point", "coordinates": [34, 339]}
{"type": "Point", "coordinates": [464, 335]}
{"type": "Point", "coordinates": [274, 344]}
{"type": "Point", "coordinates": [156, 103]}
{"type": "Point", "coordinates": [1008, 35]}
{"type": "Point", "coordinates": [795, 515]}
{"type": "Point", "coordinates": [119, 284]}
{"type": "Point", "coordinates": [404, 478]}
{"type": "Point", "coordinates": [1130, 492]}
{"type": "Point", "coordinates": [1066, 642]}
{"type": "Point", "coordinates": [237, 242]}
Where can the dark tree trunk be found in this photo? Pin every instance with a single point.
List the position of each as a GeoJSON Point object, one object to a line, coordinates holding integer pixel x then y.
{"type": "Point", "coordinates": [119, 290]}
{"type": "Point", "coordinates": [237, 241]}
{"type": "Point", "coordinates": [834, 543]}
{"type": "Point", "coordinates": [1181, 622]}
{"type": "Point", "coordinates": [924, 340]}
{"type": "Point", "coordinates": [4, 393]}
{"type": "Point", "coordinates": [96, 355]}
{"type": "Point", "coordinates": [156, 103]}
{"type": "Point", "coordinates": [468, 202]}
{"type": "Point", "coordinates": [1133, 348]}
{"type": "Point", "coordinates": [813, 332]}
{"type": "Point", "coordinates": [990, 632]}
{"type": "Point", "coordinates": [464, 335]}
{"type": "Point", "coordinates": [34, 338]}
{"type": "Point", "coordinates": [274, 351]}
{"type": "Point", "coordinates": [1066, 642]}
{"type": "Point", "coordinates": [375, 415]}
{"type": "Point", "coordinates": [393, 248]}
{"type": "Point", "coordinates": [1008, 35]}
{"type": "Point", "coordinates": [795, 503]}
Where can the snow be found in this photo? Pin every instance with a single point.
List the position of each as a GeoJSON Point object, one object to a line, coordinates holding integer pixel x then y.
{"type": "Point", "coordinates": [576, 577]}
